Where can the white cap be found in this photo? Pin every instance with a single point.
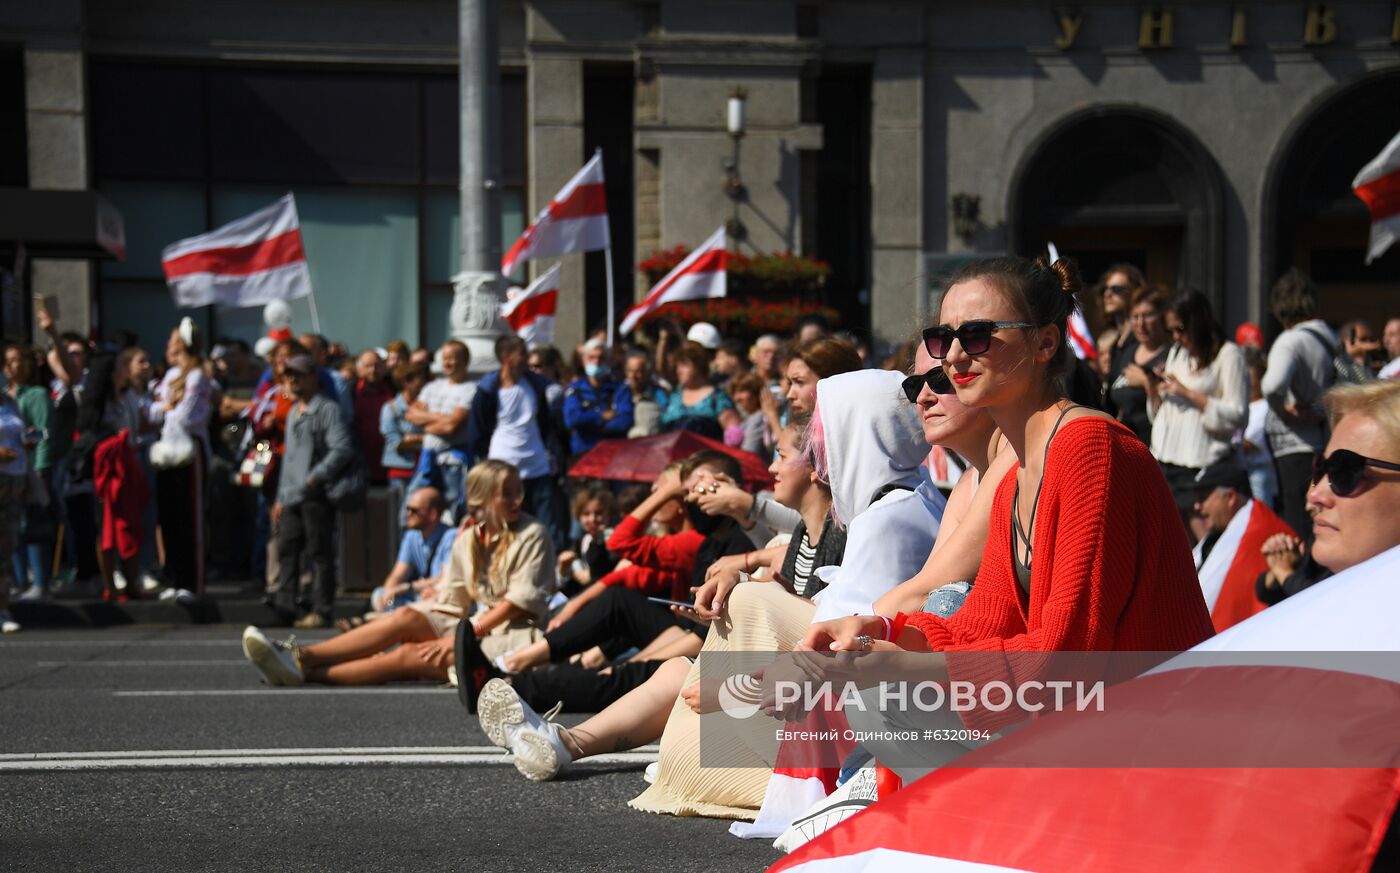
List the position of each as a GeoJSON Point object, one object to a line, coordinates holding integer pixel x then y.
{"type": "Point", "coordinates": [705, 334]}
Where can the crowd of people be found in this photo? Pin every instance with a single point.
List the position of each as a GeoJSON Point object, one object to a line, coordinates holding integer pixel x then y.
{"type": "Point", "coordinates": [1140, 500]}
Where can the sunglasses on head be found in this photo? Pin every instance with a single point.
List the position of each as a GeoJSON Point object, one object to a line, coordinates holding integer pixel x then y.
{"type": "Point", "coordinates": [936, 380]}
{"type": "Point", "coordinates": [1345, 469]}
{"type": "Point", "coordinates": [974, 336]}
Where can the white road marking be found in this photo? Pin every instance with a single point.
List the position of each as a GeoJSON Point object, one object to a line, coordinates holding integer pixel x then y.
{"type": "Point", "coordinates": [290, 693]}
{"type": "Point", "coordinates": [242, 662]}
{"type": "Point", "coordinates": [79, 643]}
{"type": "Point", "coordinates": [342, 757]}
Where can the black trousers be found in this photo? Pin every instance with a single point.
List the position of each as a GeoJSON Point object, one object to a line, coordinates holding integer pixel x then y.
{"type": "Point", "coordinates": [581, 689]}
{"type": "Point", "coordinates": [1294, 478]}
{"type": "Point", "coordinates": [305, 539]}
{"type": "Point", "coordinates": [618, 619]}
{"type": "Point", "coordinates": [180, 510]}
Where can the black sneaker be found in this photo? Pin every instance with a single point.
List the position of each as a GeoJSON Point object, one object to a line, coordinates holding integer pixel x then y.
{"type": "Point", "coordinates": [474, 669]}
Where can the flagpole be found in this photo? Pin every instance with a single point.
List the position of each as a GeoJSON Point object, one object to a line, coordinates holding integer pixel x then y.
{"type": "Point", "coordinates": [315, 317]}
{"type": "Point", "coordinates": [607, 261]}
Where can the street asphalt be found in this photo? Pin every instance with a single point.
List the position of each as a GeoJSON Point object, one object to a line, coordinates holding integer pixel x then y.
{"type": "Point", "coordinates": [149, 748]}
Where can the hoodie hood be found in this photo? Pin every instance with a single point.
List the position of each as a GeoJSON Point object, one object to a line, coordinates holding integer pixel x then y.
{"type": "Point", "coordinates": [873, 438]}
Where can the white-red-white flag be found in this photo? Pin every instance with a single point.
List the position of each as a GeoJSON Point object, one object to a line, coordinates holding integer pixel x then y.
{"type": "Point", "coordinates": [1080, 339]}
{"type": "Point", "coordinates": [1235, 561]}
{"type": "Point", "coordinates": [701, 275]}
{"type": "Point", "coordinates": [530, 313]}
{"type": "Point", "coordinates": [1272, 689]}
{"type": "Point", "coordinates": [1378, 186]}
{"type": "Point", "coordinates": [249, 262]}
{"type": "Point", "coordinates": [576, 220]}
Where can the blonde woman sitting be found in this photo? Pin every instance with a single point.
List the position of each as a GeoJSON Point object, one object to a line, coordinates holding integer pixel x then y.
{"type": "Point", "coordinates": [500, 578]}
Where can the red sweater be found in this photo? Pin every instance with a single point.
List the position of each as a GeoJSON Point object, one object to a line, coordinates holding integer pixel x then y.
{"type": "Point", "coordinates": [1111, 569]}
{"type": "Point", "coordinates": [661, 566]}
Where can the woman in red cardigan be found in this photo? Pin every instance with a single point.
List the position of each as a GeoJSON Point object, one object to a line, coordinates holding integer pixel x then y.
{"type": "Point", "coordinates": [1085, 551]}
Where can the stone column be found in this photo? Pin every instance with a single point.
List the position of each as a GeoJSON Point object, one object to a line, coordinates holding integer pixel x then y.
{"type": "Point", "coordinates": [476, 302]}
{"type": "Point", "coordinates": [56, 107]}
{"type": "Point", "coordinates": [896, 191]}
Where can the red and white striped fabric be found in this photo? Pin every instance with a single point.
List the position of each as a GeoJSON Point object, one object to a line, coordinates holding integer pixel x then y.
{"type": "Point", "coordinates": [576, 220]}
{"type": "Point", "coordinates": [1235, 561]}
{"type": "Point", "coordinates": [1006, 819]}
{"type": "Point", "coordinates": [531, 312]}
{"type": "Point", "coordinates": [701, 275]}
{"type": "Point", "coordinates": [1081, 339]}
{"type": "Point", "coordinates": [1378, 186]}
{"type": "Point", "coordinates": [249, 262]}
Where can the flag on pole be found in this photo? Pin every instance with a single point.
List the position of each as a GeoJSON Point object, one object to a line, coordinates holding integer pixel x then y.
{"type": "Point", "coordinates": [1080, 339]}
{"type": "Point", "coordinates": [701, 275]}
{"type": "Point", "coordinates": [1378, 186]}
{"type": "Point", "coordinates": [984, 814]}
{"type": "Point", "coordinates": [530, 313]}
{"type": "Point", "coordinates": [576, 220]}
{"type": "Point", "coordinates": [249, 262]}
{"type": "Point", "coordinates": [1235, 561]}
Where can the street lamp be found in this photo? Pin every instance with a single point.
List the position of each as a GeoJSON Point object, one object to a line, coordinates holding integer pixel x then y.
{"type": "Point", "coordinates": [733, 185]}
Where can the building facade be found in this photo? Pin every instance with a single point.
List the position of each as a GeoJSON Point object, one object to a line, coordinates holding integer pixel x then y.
{"type": "Point", "coordinates": [1212, 143]}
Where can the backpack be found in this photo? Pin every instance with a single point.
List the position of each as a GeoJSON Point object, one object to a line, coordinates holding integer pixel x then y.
{"type": "Point", "coordinates": [1343, 371]}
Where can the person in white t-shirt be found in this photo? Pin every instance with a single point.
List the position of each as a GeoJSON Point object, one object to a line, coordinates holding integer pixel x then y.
{"type": "Point", "coordinates": [1390, 341]}
{"type": "Point", "coordinates": [441, 410]}
{"type": "Point", "coordinates": [506, 424]}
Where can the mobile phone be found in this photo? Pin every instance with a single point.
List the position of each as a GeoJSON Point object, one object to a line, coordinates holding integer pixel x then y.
{"type": "Point", "coordinates": [664, 602]}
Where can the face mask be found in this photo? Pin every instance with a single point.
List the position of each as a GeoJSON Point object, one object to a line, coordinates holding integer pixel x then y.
{"type": "Point", "coordinates": [596, 372]}
{"type": "Point", "coordinates": [704, 524]}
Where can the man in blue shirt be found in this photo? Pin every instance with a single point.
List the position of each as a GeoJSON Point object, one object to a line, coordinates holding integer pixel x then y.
{"type": "Point", "coordinates": [426, 548]}
{"type": "Point", "coordinates": [596, 407]}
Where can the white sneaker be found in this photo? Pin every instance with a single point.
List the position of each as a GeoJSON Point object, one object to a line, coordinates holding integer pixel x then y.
{"type": "Point", "coordinates": [277, 661]}
{"type": "Point", "coordinates": [509, 722]}
{"type": "Point", "coordinates": [149, 582]}
{"type": "Point", "coordinates": [8, 624]}
{"type": "Point", "coordinates": [650, 773]}
{"type": "Point", "coordinates": [118, 580]}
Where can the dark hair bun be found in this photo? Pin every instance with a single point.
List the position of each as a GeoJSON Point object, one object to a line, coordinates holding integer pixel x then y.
{"type": "Point", "coordinates": [1068, 271]}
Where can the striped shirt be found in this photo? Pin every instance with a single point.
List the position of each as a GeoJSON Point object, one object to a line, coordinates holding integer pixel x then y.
{"type": "Point", "coordinates": [803, 580]}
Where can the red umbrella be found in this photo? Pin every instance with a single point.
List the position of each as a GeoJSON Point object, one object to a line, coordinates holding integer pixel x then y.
{"type": "Point", "coordinates": [642, 460]}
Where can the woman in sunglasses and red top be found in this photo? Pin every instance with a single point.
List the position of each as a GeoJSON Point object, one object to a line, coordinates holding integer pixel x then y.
{"type": "Point", "coordinates": [1355, 494]}
{"type": "Point", "coordinates": [1085, 552]}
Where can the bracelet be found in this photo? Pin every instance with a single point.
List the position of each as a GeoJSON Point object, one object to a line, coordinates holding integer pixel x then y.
{"type": "Point", "coordinates": [747, 555]}
{"type": "Point", "coordinates": [888, 627]}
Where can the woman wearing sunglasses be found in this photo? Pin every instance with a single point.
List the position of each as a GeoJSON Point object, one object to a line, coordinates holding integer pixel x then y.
{"type": "Point", "coordinates": [1084, 552]}
{"type": "Point", "coordinates": [1354, 498]}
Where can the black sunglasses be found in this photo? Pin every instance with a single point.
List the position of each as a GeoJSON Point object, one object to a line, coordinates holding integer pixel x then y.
{"type": "Point", "coordinates": [936, 380]}
{"type": "Point", "coordinates": [1120, 290]}
{"type": "Point", "coordinates": [1344, 470]}
{"type": "Point", "coordinates": [975, 336]}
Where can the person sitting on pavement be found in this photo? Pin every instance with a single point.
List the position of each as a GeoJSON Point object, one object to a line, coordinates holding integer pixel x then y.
{"type": "Point", "coordinates": [596, 407]}
{"type": "Point", "coordinates": [498, 582]}
{"type": "Point", "coordinates": [589, 560]}
{"type": "Point", "coordinates": [423, 553]}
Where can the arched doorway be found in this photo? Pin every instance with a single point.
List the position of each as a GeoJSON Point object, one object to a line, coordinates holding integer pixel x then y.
{"type": "Point", "coordinates": [1117, 183]}
{"type": "Point", "coordinates": [1317, 223]}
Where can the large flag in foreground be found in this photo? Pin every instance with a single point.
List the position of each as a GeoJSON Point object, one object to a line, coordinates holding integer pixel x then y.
{"type": "Point", "coordinates": [531, 312]}
{"type": "Point", "coordinates": [1280, 817]}
{"type": "Point", "coordinates": [576, 220]}
{"type": "Point", "coordinates": [249, 262]}
{"type": "Point", "coordinates": [699, 276]}
{"type": "Point", "coordinates": [1378, 186]}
